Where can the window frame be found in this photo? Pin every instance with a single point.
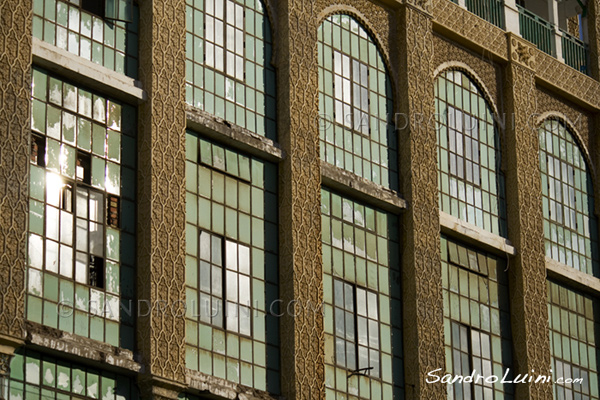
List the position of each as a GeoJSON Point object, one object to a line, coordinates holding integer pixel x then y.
{"type": "Point", "coordinates": [354, 341]}
{"type": "Point", "coordinates": [223, 320]}
{"type": "Point", "coordinates": [71, 207]}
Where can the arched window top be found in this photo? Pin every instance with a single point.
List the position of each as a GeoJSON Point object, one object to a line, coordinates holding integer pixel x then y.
{"type": "Point", "coordinates": [355, 102]}
{"type": "Point", "coordinates": [228, 67]}
{"type": "Point", "coordinates": [570, 226]}
{"type": "Point", "coordinates": [471, 182]}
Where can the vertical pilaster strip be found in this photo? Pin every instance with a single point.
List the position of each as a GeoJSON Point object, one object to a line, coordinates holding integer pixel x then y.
{"type": "Point", "coordinates": [527, 270]}
{"type": "Point", "coordinates": [301, 267]}
{"type": "Point", "coordinates": [161, 193]}
{"type": "Point", "coordinates": [421, 264]}
{"type": "Point", "coordinates": [15, 106]}
{"type": "Point", "coordinates": [593, 35]}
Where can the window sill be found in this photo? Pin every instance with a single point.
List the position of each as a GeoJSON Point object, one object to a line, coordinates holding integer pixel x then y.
{"type": "Point", "coordinates": [579, 280]}
{"type": "Point", "coordinates": [475, 235]}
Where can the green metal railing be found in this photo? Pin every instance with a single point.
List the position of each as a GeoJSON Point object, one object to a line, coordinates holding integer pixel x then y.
{"type": "Point", "coordinates": [575, 52]}
{"type": "Point", "coordinates": [490, 10]}
{"type": "Point", "coordinates": [536, 30]}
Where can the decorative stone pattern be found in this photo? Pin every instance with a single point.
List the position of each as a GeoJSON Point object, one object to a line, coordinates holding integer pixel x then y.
{"type": "Point", "coordinates": [527, 271]}
{"type": "Point", "coordinates": [582, 121]}
{"type": "Point", "coordinates": [15, 106]}
{"type": "Point", "coordinates": [161, 190]}
{"type": "Point", "coordinates": [571, 82]}
{"type": "Point", "coordinates": [522, 52]}
{"type": "Point", "coordinates": [486, 71]}
{"type": "Point", "coordinates": [449, 16]}
{"type": "Point", "coordinates": [372, 16]}
{"type": "Point", "coordinates": [422, 287]}
{"type": "Point", "coordinates": [301, 265]}
{"type": "Point", "coordinates": [593, 9]}
{"type": "Point", "coordinates": [300, 181]}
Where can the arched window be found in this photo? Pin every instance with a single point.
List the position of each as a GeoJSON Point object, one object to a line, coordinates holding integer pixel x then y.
{"type": "Point", "coordinates": [569, 223]}
{"type": "Point", "coordinates": [355, 102]}
{"type": "Point", "coordinates": [470, 181]}
{"type": "Point", "coordinates": [228, 67]}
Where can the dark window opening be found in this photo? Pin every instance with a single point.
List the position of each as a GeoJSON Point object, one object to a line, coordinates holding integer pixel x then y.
{"type": "Point", "coordinates": [94, 6]}
{"type": "Point", "coordinates": [66, 198]}
{"type": "Point", "coordinates": [38, 150]}
{"type": "Point", "coordinates": [96, 272]}
{"type": "Point", "coordinates": [83, 168]}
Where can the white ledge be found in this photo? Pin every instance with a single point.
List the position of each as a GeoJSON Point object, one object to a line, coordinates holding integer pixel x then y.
{"type": "Point", "coordinates": [86, 72]}
{"type": "Point", "coordinates": [475, 235]}
{"type": "Point", "coordinates": [579, 280]}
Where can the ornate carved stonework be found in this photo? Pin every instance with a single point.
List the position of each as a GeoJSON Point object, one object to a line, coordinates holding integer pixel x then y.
{"type": "Point", "coordinates": [581, 119]}
{"type": "Point", "coordinates": [449, 16]}
{"type": "Point", "coordinates": [422, 280]}
{"type": "Point", "coordinates": [448, 54]}
{"type": "Point", "coordinates": [301, 272]}
{"type": "Point", "coordinates": [5, 364]}
{"type": "Point", "coordinates": [161, 187]}
{"type": "Point", "coordinates": [593, 10]}
{"type": "Point", "coordinates": [522, 52]}
{"type": "Point", "coordinates": [15, 105]}
{"type": "Point", "coordinates": [527, 270]}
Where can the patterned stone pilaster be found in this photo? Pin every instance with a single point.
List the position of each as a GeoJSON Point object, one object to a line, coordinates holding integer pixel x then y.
{"type": "Point", "coordinates": [15, 106]}
{"type": "Point", "coordinates": [421, 265]}
{"type": "Point", "coordinates": [527, 270]}
{"type": "Point", "coordinates": [161, 192]}
{"type": "Point", "coordinates": [301, 267]}
{"type": "Point", "coordinates": [593, 26]}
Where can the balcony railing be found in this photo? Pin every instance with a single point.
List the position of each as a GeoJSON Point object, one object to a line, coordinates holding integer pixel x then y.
{"type": "Point", "coordinates": [575, 52]}
{"type": "Point", "coordinates": [490, 10]}
{"type": "Point", "coordinates": [536, 30]}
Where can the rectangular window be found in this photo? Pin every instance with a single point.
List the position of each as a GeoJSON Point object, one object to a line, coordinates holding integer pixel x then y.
{"type": "Point", "coordinates": [104, 32]}
{"type": "Point", "coordinates": [356, 329]}
{"type": "Point", "coordinates": [228, 63]}
{"type": "Point", "coordinates": [225, 37]}
{"type": "Point", "coordinates": [471, 351]}
{"type": "Point", "coordinates": [476, 320]}
{"type": "Point", "coordinates": [224, 282]}
{"type": "Point", "coordinates": [463, 138]}
{"type": "Point", "coordinates": [39, 376]}
{"type": "Point", "coordinates": [574, 332]}
{"type": "Point", "coordinates": [351, 92]}
{"type": "Point", "coordinates": [231, 265]}
{"type": "Point", "coordinates": [81, 244]}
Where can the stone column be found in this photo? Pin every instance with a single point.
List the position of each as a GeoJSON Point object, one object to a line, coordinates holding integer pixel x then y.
{"type": "Point", "coordinates": [301, 266]}
{"type": "Point", "coordinates": [527, 270]}
{"type": "Point", "coordinates": [161, 194]}
{"type": "Point", "coordinates": [15, 128]}
{"type": "Point", "coordinates": [511, 16]}
{"type": "Point", "coordinates": [421, 264]}
{"type": "Point", "coordinates": [553, 19]}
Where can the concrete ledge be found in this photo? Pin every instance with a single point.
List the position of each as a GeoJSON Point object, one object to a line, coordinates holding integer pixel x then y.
{"type": "Point", "coordinates": [216, 128]}
{"type": "Point", "coordinates": [361, 188]}
{"type": "Point", "coordinates": [88, 73]}
{"type": "Point", "coordinates": [475, 235]}
{"type": "Point", "coordinates": [217, 388]}
{"type": "Point", "coordinates": [78, 348]}
{"type": "Point", "coordinates": [574, 278]}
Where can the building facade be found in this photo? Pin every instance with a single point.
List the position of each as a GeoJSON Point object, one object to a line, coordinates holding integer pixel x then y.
{"type": "Point", "coordinates": [263, 199]}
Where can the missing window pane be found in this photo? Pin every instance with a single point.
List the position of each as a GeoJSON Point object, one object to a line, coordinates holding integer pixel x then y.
{"type": "Point", "coordinates": [94, 6]}
{"type": "Point", "coordinates": [38, 150]}
{"type": "Point", "coordinates": [96, 272]}
{"type": "Point", "coordinates": [83, 168]}
{"type": "Point", "coordinates": [66, 198]}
